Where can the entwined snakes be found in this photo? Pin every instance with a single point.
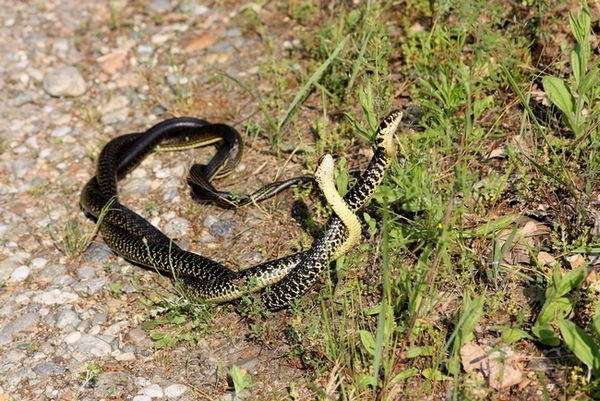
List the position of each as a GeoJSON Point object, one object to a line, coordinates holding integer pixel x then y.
{"type": "Point", "coordinates": [285, 279]}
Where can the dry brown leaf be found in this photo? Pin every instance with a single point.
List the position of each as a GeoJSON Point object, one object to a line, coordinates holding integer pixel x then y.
{"type": "Point", "coordinates": [499, 152]}
{"type": "Point", "coordinates": [592, 277]}
{"type": "Point", "coordinates": [527, 236]}
{"type": "Point", "coordinates": [545, 259]}
{"type": "Point", "coordinates": [471, 355]}
{"type": "Point", "coordinates": [500, 368]}
{"type": "Point", "coordinates": [540, 96]}
{"type": "Point", "coordinates": [576, 261]}
{"type": "Point", "coordinates": [199, 42]}
{"type": "Point", "coordinates": [113, 62]}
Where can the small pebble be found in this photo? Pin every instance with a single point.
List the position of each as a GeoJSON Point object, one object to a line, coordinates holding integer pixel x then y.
{"type": "Point", "coordinates": [97, 253]}
{"type": "Point", "coordinates": [14, 379]}
{"type": "Point", "coordinates": [66, 317]}
{"type": "Point", "coordinates": [114, 117]}
{"type": "Point", "coordinates": [144, 51]}
{"type": "Point", "coordinates": [159, 6]}
{"type": "Point", "coordinates": [223, 229]}
{"type": "Point", "coordinates": [240, 167]}
{"type": "Point", "coordinates": [176, 228]}
{"type": "Point", "coordinates": [64, 81]}
{"type": "Point", "coordinates": [51, 272]}
{"type": "Point", "coordinates": [136, 335]}
{"type": "Point", "coordinates": [94, 346]}
{"type": "Point", "coordinates": [175, 390]}
{"type": "Point", "coordinates": [21, 167]}
{"type": "Point", "coordinates": [170, 195]}
{"type": "Point", "coordinates": [49, 368]}
{"type": "Point", "coordinates": [63, 281]}
{"type": "Point", "coordinates": [115, 328]}
{"type": "Point", "coordinates": [129, 348]}
{"type": "Point", "coordinates": [250, 258]}
{"type": "Point", "coordinates": [153, 390]}
{"type": "Point", "coordinates": [96, 284]}
{"type": "Point", "coordinates": [18, 325]}
{"type": "Point", "coordinates": [20, 273]}
{"type": "Point", "coordinates": [163, 173]}
{"type": "Point", "coordinates": [9, 265]}
{"type": "Point", "coordinates": [99, 319]}
{"type": "Point", "coordinates": [23, 98]}
{"type": "Point", "coordinates": [60, 131]}
{"type": "Point", "coordinates": [55, 297]}
{"type": "Point", "coordinates": [86, 272]}
{"type": "Point", "coordinates": [126, 357]}
{"type": "Point", "coordinates": [72, 338]}
{"type": "Point", "coordinates": [209, 220]}
{"type": "Point", "coordinates": [38, 263]}
{"type": "Point", "coordinates": [14, 356]}
{"type": "Point", "coordinates": [115, 103]}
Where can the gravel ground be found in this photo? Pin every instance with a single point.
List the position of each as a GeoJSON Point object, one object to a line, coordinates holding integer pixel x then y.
{"type": "Point", "coordinates": [69, 83]}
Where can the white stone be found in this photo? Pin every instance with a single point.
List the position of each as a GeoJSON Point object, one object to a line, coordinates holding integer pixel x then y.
{"type": "Point", "coordinates": [55, 296]}
{"type": "Point", "coordinates": [125, 357]}
{"type": "Point", "coordinates": [116, 328]}
{"type": "Point", "coordinates": [153, 390]}
{"type": "Point", "coordinates": [72, 337]}
{"type": "Point", "coordinates": [60, 131]}
{"type": "Point", "coordinates": [64, 81]}
{"type": "Point", "coordinates": [93, 346]}
{"type": "Point", "coordinates": [175, 390]}
{"type": "Point", "coordinates": [20, 273]}
{"type": "Point", "coordinates": [38, 263]}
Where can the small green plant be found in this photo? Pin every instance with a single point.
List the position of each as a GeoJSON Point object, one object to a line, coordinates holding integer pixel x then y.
{"type": "Point", "coordinates": [557, 303]}
{"type": "Point", "coordinates": [151, 207]}
{"type": "Point", "coordinates": [179, 319]}
{"type": "Point", "coordinates": [463, 333]}
{"type": "Point", "coordinates": [186, 317]}
{"type": "Point", "coordinates": [115, 289]}
{"type": "Point", "coordinates": [114, 17]}
{"type": "Point", "coordinates": [38, 189]}
{"type": "Point", "coordinates": [581, 90]}
{"type": "Point", "coordinates": [88, 378]}
{"type": "Point", "coordinates": [75, 239]}
{"type": "Point", "coordinates": [4, 146]}
{"type": "Point", "coordinates": [251, 309]}
{"type": "Point", "coordinates": [584, 346]}
{"type": "Point", "coordinates": [92, 117]}
{"type": "Point", "coordinates": [241, 380]}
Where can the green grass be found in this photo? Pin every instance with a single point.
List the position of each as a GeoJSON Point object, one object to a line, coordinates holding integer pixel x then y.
{"type": "Point", "coordinates": [436, 268]}
{"type": "Point", "coordinates": [76, 238]}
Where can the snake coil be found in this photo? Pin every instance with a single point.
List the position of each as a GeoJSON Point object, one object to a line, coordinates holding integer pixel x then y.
{"type": "Point", "coordinates": [285, 279]}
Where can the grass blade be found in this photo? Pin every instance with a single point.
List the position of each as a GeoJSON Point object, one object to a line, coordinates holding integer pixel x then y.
{"type": "Point", "coordinates": [301, 95]}
{"type": "Point", "coordinates": [581, 344]}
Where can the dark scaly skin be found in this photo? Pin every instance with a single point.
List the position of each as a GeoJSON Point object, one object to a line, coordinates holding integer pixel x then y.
{"type": "Point", "coordinates": [134, 238]}
{"type": "Point", "coordinates": [323, 250]}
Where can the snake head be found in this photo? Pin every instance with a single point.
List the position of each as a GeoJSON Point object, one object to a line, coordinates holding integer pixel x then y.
{"type": "Point", "coordinates": [325, 167]}
{"type": "Point", "coordinates": [386, 131]}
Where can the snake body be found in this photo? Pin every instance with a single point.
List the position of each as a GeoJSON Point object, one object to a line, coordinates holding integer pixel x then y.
{"type": "Point", "coordinates": [332, 244]}
{"type": "Point", "coordinates": [135, 239]}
